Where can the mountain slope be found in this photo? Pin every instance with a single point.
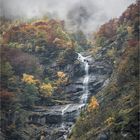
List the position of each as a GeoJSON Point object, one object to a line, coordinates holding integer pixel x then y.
{"type": "Point", "coordinates": [41, 76]}
{"type": "Point", "coordinates": [117, 116]}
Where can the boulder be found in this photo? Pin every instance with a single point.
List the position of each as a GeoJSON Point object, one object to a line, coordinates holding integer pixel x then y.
{"type": "Point", "coordinates": [102, 136]}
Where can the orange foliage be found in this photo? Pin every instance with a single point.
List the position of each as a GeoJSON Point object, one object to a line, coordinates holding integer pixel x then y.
{"type": "Point", "coordinates": [93, 104]}
{"type": "Point", "coordinates": [109, 121]}
{"type": "Point", "coordinates": [29, 79]}
{"type": "Point", "coordinates": [61, 74]}
{"type": "Point", "coordinates": [62, 79]}
{"type": "Point", "coordinates": [48, 29]}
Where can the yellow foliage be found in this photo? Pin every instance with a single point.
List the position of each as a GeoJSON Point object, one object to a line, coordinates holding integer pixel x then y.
{"type": "Point", "coordinates": [63, 43]}
{"type": "Point", "coordinates": [39, 48]}
{"type": "Point", "coordinates": [61, 74]}
{"type": "Point", "coordinates": [111, 52]}
{"type": "Point", "coordinates": [29, 79]}
{"type": "Point", "coordinates": [109, 121]}
{"type": "Point", "coordinates": [93, 104]}
{"type": "Point", "coordinates": [62, 79]}
{"type": "Point", "coordinates": [69, 44]}
{"type": "Point", "coordinates": [46, 89]}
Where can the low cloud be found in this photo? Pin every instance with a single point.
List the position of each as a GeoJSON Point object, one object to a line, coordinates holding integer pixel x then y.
{"type": "Point", "coordinates": [86, 15]}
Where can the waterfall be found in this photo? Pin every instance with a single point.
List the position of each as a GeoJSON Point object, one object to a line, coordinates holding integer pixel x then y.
{"type": "Point", "coordinates": [84, 60]}
{"type": "Point", "coordinates": [63, 112]}
{"type": "Point", "coordinates": [64, 109]}
{"type": "Point", "coordinates": [83, 99]}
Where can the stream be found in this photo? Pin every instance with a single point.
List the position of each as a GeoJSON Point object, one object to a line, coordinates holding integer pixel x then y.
{"type": "Point", "coordinates": [86, 78]}
{"type": "Point", "coordinates": [84, 97]}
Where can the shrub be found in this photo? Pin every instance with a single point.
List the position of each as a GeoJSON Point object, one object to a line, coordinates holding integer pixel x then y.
{"type": "Point", "coordinates": [93, 105]}
{"type": "Point", "coordinates": [46, 89]}
{"type": "Point", "coordinates": [29, 95]}
{"type": "Point", "coordinates": [29, 79]}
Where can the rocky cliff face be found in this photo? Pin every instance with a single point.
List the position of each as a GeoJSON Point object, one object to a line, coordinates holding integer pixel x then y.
{"type": "Point", "coordinates": [53, 117]}
{"type": "Point", "coordinates": [55, 121]}
{"type": "Point", "coordinates": [118, 112]}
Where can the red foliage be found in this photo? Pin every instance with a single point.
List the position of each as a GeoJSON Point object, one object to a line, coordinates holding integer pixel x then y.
{"type": "Point", "coordinates": [5, 95]}
{"type": "Point", "coordinates": [131, 13]}
{"type": "Point", "coordinates": [24, 32]}
{"type": "Point", "coordinates": [42, 23]}
{"type": "Point", "coordinates": [6, 98]}
{"type": "Point", "coordinates": [133, 42]}
{"type": "Point", "coordinates": [108, 30]}
{"type": "Point", "coordinates": [20, 61]}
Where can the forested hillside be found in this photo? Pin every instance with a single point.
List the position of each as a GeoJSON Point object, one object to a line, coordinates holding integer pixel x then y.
{"type": "Point", "coordinates": [116, 116]}
{"type": "Point", "coordinates": [40, 74]}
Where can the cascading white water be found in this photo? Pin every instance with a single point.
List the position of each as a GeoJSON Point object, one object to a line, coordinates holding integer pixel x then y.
{"type": "Point", "coordinates": [84, 97]}
{"type": "Point", "coordinates": [64, 109]}
{"type": "Point", "coordinates": [83, 59]}
{"type": "Point", "coordinates": [63, 112]}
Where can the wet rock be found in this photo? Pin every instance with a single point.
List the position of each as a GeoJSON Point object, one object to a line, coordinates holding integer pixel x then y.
{"type": "Point", "coordinates": [59, 122]}
{"type": "Point", "coordinates": [96, 86]}
{"type": "Point", "coordinates": [46, 118]}
{"type": "Point", "coordinates": [78, 70]}
{"type": "Point", "coordinates": [102, 136]}
{"type": "Point", "coordinates": [2, 137]}
{"type": "Point", "coordinates": [92, 78]}
{"type": "Point", "coordinates": [37, 119]}
{"type": "Point", "coordinates": [72, 88]}
{"type": "Point", "coordinates": [100, 66]}
{"type": "Point", "coordinates": [54, 114]}
{"type": "Point", "coordinates": [53, 118]}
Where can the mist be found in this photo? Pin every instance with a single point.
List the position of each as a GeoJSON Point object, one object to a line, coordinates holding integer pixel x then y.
{"type": "Point", "coordinates": [86, 15]}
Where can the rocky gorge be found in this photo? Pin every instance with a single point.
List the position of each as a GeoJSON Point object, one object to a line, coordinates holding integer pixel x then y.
{"type": "Point", "coordinates": [62, 85]}
{"type": "Point", "coordinates": [59, 119]}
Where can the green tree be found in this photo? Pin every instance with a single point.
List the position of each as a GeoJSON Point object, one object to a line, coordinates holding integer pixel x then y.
{"type": "Point", "coordinates": [29, 95]}
{"type": "Point", "coordinates": [6, 72]}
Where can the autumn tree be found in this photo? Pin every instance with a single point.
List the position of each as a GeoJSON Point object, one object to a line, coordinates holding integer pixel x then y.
{"type": "Point", "coordinates": [93, 105]}
{"type": "Point", "coordinates": [46, 89]}
{"type": "Point", "coordinates": [62, 78]}
{"type": "Point", "coordinates": [60, 82]}
{"type": "Point", "coordinates": [108, 30]}
{"type": "Point", "coordinates": [21, 62]}
{"type": "Point", "coordinates": [29, 79]}
{"type": "Point", "coordinates": [109, 121]}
